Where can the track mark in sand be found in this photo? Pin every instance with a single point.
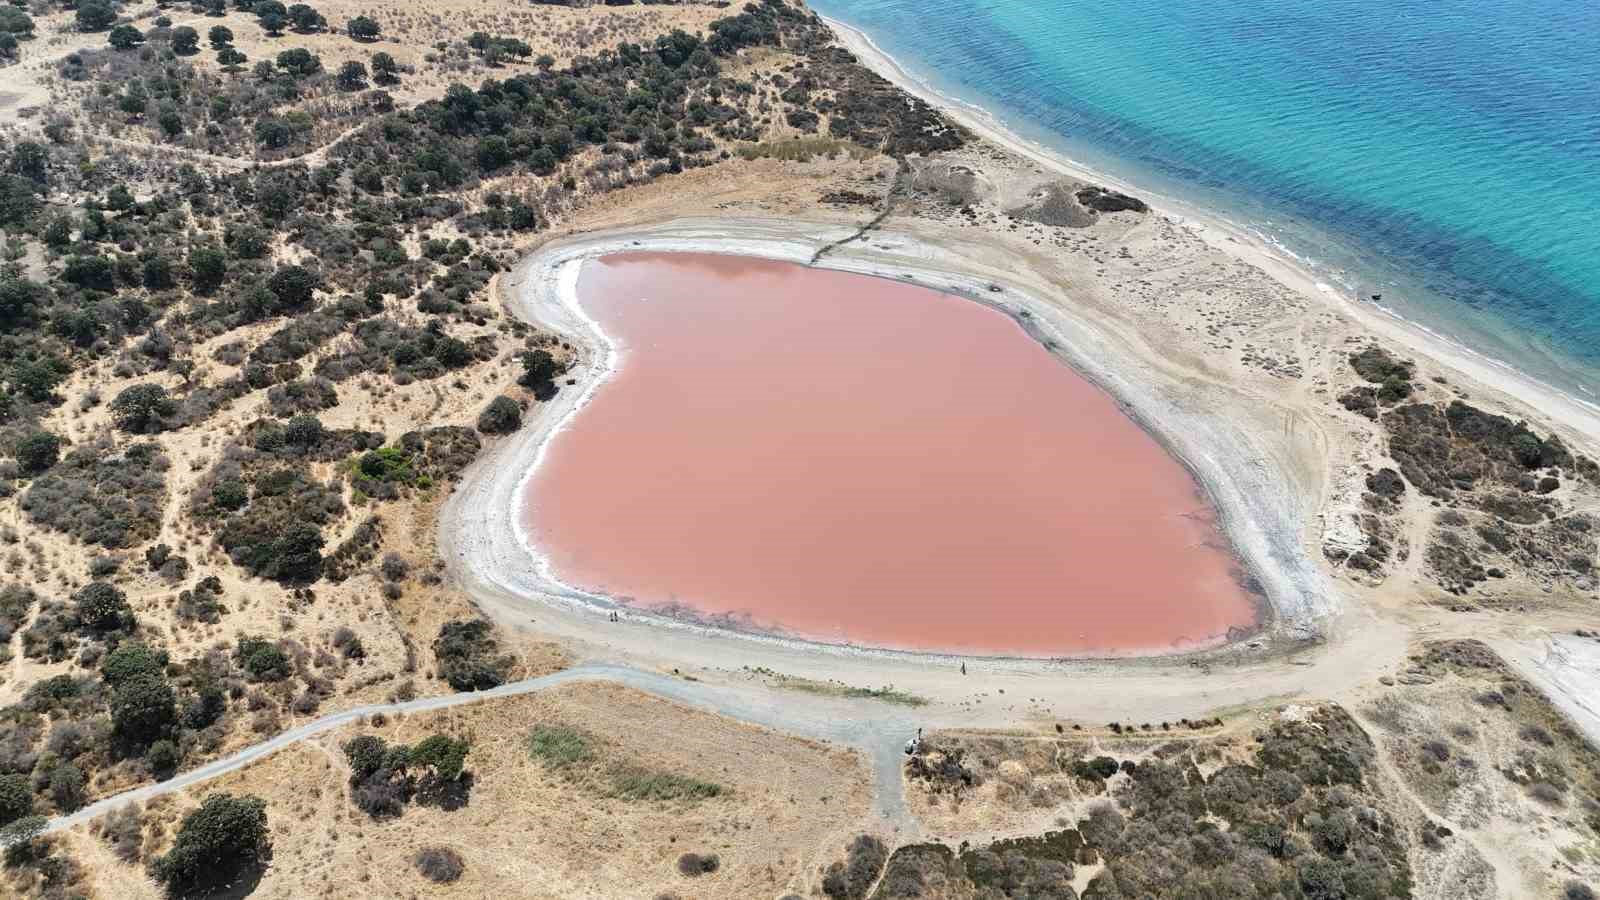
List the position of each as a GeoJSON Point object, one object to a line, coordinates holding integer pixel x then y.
{"type": "Point", "coordinates": [879, 219]}
{"type": "Point", "coordinates": [1505, 874]}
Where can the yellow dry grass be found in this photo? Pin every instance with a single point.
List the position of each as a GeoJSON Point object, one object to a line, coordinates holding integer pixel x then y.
{"type": "Point", "coordinates": [528, 831]}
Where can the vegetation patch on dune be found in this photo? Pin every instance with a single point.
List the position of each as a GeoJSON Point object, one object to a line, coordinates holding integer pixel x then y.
{"type": "Point", "coordinates": [888, 693]}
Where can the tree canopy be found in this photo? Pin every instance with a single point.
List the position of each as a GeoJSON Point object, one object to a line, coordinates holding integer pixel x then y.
{"type": "Point", "coordinates": [224, 836]}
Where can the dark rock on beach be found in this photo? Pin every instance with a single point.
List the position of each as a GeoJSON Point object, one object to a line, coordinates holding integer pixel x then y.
{"type": "Point", "coordinates": [1106, 200]}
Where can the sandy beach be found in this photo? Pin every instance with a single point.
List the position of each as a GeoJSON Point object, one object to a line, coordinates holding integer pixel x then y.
{"type": "Point", "coordinates": [1511, 387]}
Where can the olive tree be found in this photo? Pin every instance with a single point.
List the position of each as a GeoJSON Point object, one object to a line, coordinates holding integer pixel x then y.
{"type": "Point", "coordinates": [226, 835]}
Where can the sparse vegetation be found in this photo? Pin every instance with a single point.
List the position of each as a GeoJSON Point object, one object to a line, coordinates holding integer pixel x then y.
{"type": "Point", "coordinates": [579, 757]}
{"type": "Point", "coordinates": [643, 784]}
{"type": "Point", "coordinates": [887, 693]}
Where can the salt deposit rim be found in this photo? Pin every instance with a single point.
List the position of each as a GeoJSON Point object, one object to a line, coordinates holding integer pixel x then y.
{"type": "Point", "coordinates": [1287, 592]}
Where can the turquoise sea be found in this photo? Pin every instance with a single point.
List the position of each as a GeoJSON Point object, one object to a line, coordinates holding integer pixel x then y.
{"type": "Point", "coordinates": [1442, 153]}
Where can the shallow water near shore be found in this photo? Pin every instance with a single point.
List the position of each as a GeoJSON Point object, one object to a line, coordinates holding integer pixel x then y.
{"type": "Point", "coordinates": [1441, 155]}
{"type": "Point", "coordinates": [851, 459]}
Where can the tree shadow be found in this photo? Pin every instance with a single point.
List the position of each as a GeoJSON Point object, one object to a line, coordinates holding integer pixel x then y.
{"type": "Point", "coordinates": [243, 884]}
{"type": "Point", "coordinates": [544, 391]}
{"type": "Point", "coordinates": [446, 794]}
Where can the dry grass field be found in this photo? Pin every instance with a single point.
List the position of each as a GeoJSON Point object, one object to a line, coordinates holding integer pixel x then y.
{"type": "Point", "coordinates": [786, 806]}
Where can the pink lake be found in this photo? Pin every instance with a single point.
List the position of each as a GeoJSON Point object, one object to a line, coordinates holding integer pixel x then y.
{"type": "Point", "coordinates": [852, 459]}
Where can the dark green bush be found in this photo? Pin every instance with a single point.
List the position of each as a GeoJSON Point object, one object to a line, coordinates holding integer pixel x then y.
{"type": "Point", "coordinates": [503, 415]}
{"type": "Point", "coordinates": [226, 835]}
{"type": "Point", "coordinates": [469, 656]}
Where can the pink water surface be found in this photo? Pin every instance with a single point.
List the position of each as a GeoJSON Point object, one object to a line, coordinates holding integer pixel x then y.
{"type": "Point", "coordinates": [853, 459]}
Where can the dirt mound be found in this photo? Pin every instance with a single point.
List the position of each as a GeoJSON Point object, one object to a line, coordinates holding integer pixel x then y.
{"type": "Point", "coordinates": [1056, 205]}
{"type": "Point", "coordinates": [1073, 204]}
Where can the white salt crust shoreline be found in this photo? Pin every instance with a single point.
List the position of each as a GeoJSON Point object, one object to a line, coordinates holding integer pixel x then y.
{"type": "Point", "coordinates": [491, 552]}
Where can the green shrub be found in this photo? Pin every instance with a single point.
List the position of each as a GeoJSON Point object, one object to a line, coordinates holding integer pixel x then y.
{"type": "Point", "coordinates": [503, 415]}
{"type": "Point", "coordinates": [539, 368]}
{"type": "Point", "coordinates": [132, 659]}
{"type": "Point", "coordinates": [445, 755]}
{"type": "Point", "coordinates": [1101, 767]}
{"type": "Point", "coordinates": [440, 865]}
{"type": "Point", "coordinates": [162, 757]}
{"type": "Point", "coordinates": [16, 798]}
{"type": "Point", "coordinates": [143, 709]}
{"type": "Point", "coordinates": [101, 606]}
{"type": "Point", "coordinates": [38, 451]}
{"type": "Point", "coordinates": [262, 659]}
{"type": "Point", "coordinates": [143, 408]}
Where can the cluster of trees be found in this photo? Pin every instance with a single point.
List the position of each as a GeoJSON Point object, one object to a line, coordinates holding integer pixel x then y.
{"type": "Point", "coordinates": [130, 700]}
{"type": "Point", "coordinates": [274, 17]}
{"type": "Point", "coordinates": [266, 504]}
{"type": "Point", "coordinates": [495, 49]}
{"type": "Point", "coordinates": [1298, 821]}
{"type": "Point", "coordinates": [133, 709]}
{"type": "Point", "coordinates": [1299, 817]}
{"type": "Point", "coordinates": [182, 41]}
{"type": "Point", "coordinates": [15, 25]}
{"type": "Point", "coordinates": [385, 777]}
{"type": "Point", "coordinates": [387, 346]}
{"type": "Point", "coordinates": [95, 15]}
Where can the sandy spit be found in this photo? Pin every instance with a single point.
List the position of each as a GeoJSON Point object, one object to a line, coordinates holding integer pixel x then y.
{"type": "Point", "coordinates": [481, 525]}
